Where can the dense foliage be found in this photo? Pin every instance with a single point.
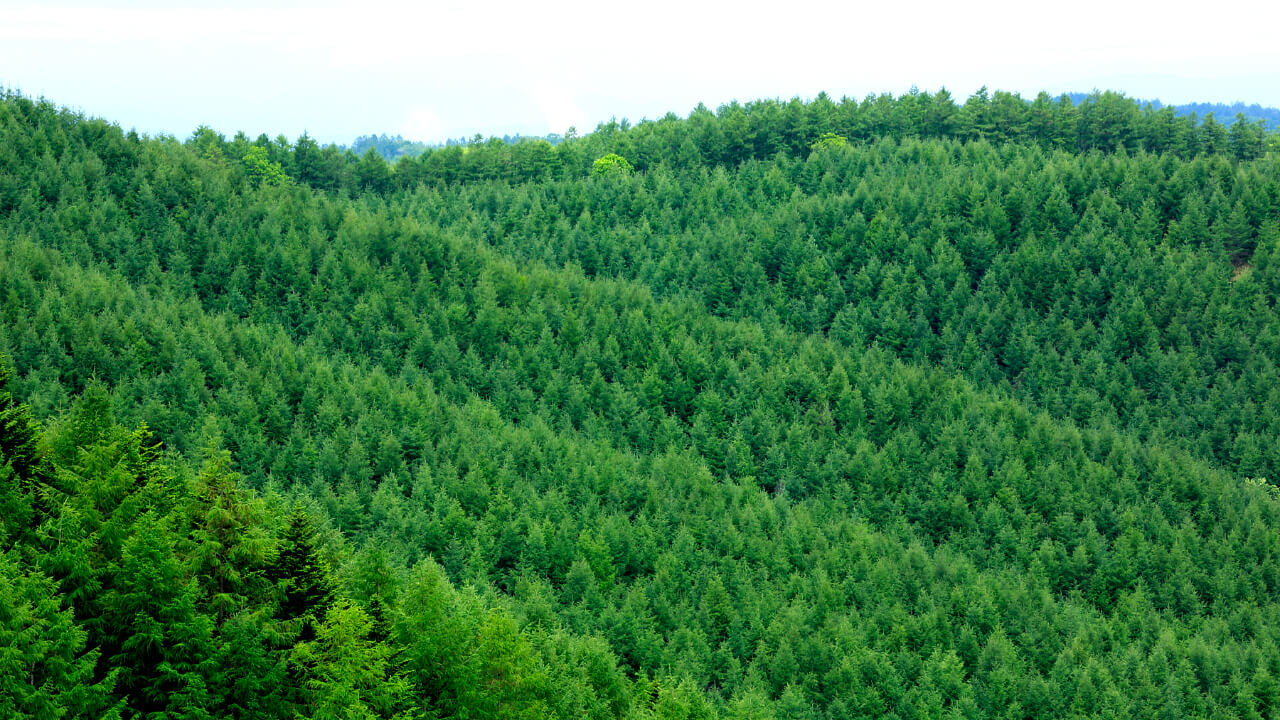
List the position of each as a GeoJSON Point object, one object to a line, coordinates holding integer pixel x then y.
{"type": "Point", "coordinates": [898, 408]}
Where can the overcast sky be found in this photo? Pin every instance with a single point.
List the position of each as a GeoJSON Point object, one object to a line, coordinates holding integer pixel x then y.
{"type": "Point", "coordinates": [433, 70]}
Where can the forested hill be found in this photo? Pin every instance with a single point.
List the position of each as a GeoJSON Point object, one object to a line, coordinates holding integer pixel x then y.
{"type": "Point", "coordinates": [903, 408]}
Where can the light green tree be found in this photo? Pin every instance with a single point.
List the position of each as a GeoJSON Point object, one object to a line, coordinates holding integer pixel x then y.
{"type": "Point", "coordinates": [611, 164]}
{"type": "Point", "coordinates": [262, 170]}
{"type": "Point", "coordinates": [828, 140]}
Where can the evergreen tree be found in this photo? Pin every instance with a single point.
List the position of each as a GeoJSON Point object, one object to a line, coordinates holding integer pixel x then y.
{"type": "Point", "coordinates": [301, 575]}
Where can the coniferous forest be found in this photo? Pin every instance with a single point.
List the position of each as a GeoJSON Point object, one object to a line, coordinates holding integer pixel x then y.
{"type": "Point", "coordinates": [907, 408]}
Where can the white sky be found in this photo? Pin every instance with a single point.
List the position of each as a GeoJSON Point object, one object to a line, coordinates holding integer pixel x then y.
{"type": "Point", "coordinates": [432, 70]}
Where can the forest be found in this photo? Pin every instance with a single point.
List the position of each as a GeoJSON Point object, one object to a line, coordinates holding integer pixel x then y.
{"type": "Point", "coordinates": [903, 407]}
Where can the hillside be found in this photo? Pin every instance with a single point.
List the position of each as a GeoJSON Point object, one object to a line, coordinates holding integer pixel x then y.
{"type": "Point", "coordinates": [902, 408]}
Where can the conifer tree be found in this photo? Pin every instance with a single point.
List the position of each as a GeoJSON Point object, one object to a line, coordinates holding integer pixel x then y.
{"type": "Point", "coordinates": [304, 586]}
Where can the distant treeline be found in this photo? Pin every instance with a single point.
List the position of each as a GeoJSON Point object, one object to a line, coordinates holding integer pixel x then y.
{"type": "Point", "coordinates": [391, 147]}
{"type": "Point", "coordinates": [394, 147]}
{"type": "Point", "coordinates": [1269, 116]}
{"type": "Point", "coordinates": [732, 134]}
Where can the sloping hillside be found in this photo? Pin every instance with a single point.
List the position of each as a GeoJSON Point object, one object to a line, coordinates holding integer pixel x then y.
{"type": "Point", "coordinates": [968, 421]}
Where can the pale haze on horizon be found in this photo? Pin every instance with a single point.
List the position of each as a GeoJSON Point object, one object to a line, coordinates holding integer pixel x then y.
{"type": "Point", "coordinates": [437, 70]}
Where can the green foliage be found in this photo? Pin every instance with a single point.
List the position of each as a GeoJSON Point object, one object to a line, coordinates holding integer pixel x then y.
{"type": "Point", "coordinates": [262, 170]}
{"type": "Point", "coordinates": [46, 670]}
{"type": "Point", "coordinates": [348, 674]}
{"type": "Point", "coordinates": [230, 545]}
{"type": "Point", "coordinates": [955, 421]}
{"type": "Point", "coordinates": [302, 576]}
{"type": "Point", "coordinates": [611, 164]}
{"type": "Point", "coordinates": [829, 141]}
{"type": "Point", "coordinates": [22, 470]}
